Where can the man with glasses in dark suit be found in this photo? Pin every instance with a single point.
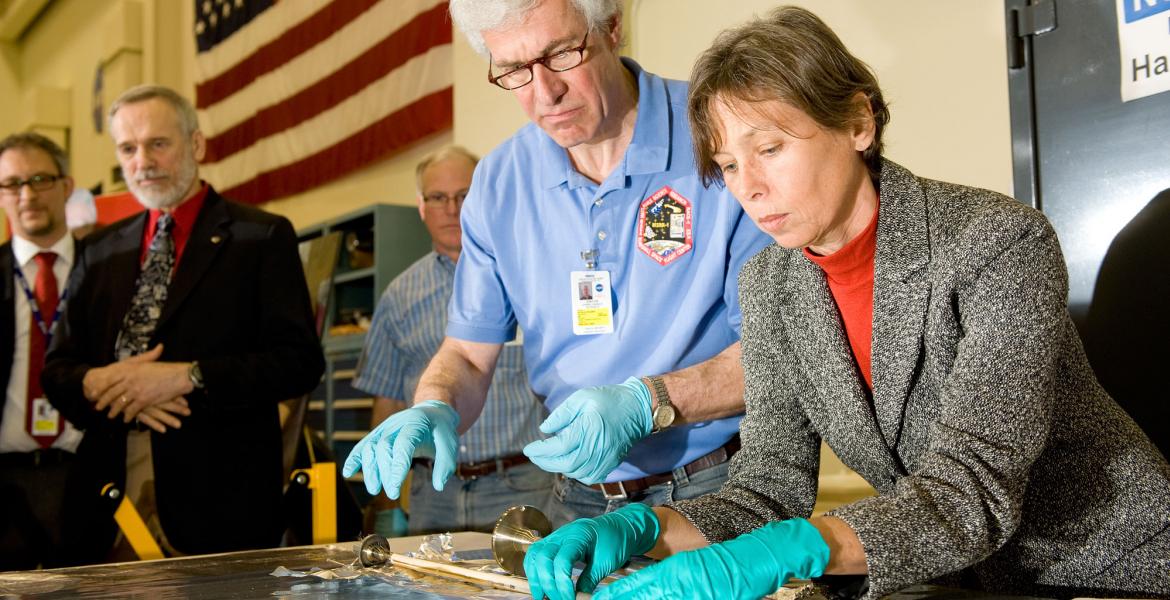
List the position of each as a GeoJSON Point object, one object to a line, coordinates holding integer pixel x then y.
{"type": "Point", "coordinates": [37, 445]}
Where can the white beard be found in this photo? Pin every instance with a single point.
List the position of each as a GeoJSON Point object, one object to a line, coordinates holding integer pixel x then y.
{"type": "Point", "coordinates": [170, 196]}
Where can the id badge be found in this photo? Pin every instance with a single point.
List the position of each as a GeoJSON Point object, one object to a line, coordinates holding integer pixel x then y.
{"type": "Point", "coordinates": [592, 302]}
{"type": "Point", "coordinates": [44, 421]}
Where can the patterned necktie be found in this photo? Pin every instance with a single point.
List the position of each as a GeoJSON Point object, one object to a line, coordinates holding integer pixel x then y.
{"type": "Point", "coordinates": [151, 293]}
{"type": "Point", "coordinates": [46, 296]}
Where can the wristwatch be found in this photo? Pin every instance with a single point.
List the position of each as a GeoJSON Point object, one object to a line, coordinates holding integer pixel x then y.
{"type": "Point", "coordinates": [664, 413]}
{"type": "Point", "coordinates": [195, 375]}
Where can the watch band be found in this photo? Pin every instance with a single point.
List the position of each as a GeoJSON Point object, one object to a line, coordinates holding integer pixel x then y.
{"type": "Point", "coordinates": [658, 387]}
{"type": "Point", "coordinates": [195, 374]}
{"type": "Point", "coordinates": [663, 413]}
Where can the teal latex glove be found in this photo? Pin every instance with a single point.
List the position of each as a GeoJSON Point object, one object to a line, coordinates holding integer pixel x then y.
{"type": "Point", "coordinates": [425, 429]}
{"type": "Point", "coordinates": [603, 543]}
{"type": "Point", "coordinates": [594, 429]}
{"type": "Point", "coordinates": [390, 523]}
{"type": "Point", "coordinates": [750, 566]}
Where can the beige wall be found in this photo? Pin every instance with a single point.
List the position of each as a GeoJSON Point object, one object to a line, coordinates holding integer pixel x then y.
{"type": "Point", "coordinates": [62, 52]}
{"type": "Point", "coordinates": [940, 63]}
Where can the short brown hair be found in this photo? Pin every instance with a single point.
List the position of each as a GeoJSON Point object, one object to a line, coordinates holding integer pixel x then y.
{"type": "Point", "coordinates": [31, 139]}
{"type": "Point", "coordinates": [790, 56]}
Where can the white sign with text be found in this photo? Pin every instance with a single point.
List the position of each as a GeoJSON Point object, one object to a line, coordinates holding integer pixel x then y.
{"type": "Point", "coordinates": [1143, 32]}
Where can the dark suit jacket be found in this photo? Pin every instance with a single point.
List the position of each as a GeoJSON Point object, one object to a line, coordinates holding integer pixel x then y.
{"type": "Point", "coordinates": [237, 303]}
{"type": "Point", "coordinates": [989, 441]}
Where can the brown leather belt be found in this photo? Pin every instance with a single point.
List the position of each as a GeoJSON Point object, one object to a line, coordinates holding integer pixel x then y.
{"type": "Point", "coordinates": [475, 470]}
{"type": "Point", "coordinates": [620, 490]}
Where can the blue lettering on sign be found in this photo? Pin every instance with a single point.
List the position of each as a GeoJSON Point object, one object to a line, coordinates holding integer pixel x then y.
{"type": "Point", "coordinates": [1140, 9]}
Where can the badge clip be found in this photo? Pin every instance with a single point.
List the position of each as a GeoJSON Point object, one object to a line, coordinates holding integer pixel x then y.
{"type": "Point", "coordinates": [590, 258]}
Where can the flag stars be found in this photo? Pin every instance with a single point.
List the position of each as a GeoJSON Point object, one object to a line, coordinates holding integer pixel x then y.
{"type": "Point", "coordinates": [227, 10]}
{"type": "Point", "coordinates": [207, 7]}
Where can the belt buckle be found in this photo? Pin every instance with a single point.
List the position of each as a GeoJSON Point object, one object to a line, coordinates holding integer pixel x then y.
{"type": "Point", "coordinates": [621, 495]}
{"type": "Point", "coordinates": [459, 473]}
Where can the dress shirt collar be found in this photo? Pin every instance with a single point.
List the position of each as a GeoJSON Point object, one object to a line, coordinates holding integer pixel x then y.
{"type": "Point", "coordinates": [24, 250]}
{"type": "Point", "coordinates": [444, 261]}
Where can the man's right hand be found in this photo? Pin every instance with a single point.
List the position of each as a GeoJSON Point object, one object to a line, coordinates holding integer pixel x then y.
{"type": "Point", "coordinates": [100, 384]}
{"type": "Point", "coordinates": [384, 455]}
{"type": "Point", "coordinates": [593, 430]}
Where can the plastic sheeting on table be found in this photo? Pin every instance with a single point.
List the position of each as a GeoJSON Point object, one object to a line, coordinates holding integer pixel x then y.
{"type": "Point", "coordinates": [242, 575]}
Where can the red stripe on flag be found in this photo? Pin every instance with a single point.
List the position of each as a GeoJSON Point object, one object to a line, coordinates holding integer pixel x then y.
{"type": "Point", "coordinates": [427, 30]}
{"type": "Point", "coordinates": [426, 116]}
{"type": "Point", "coordinates": [297, 39]}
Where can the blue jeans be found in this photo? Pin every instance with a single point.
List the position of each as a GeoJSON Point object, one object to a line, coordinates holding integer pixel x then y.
{"type": "Point", "coordinates": [573, 500]}
{"type": "Point", "coordinates": [474, 504]}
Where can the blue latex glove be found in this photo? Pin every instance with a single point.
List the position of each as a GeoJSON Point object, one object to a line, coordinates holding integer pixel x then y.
{"type": "Point", "coordinates": [603, 543]}
{"type": "Point", "coordinates": [425, 429]}
{"type": "Point", "coordinates": [390, 523]}
{"type": "Point", "coordinates": [594, 429]}
{"type": "Point", "coordinates": [750, 566]}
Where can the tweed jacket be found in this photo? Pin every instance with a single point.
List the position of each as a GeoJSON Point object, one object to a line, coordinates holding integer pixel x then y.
{"type": "Point", "coordinates": [987, 437]}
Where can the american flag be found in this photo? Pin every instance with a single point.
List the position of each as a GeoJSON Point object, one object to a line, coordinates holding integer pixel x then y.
{"type": "Point", "coordinates": [292, 94]}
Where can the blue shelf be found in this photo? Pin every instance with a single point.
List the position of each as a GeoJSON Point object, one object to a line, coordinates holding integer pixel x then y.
{"type": "Point", "coordinates": [399, 239]}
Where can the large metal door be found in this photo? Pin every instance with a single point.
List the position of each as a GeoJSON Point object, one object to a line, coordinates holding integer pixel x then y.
{"type": "Point", "coordinates": [1091, 162]}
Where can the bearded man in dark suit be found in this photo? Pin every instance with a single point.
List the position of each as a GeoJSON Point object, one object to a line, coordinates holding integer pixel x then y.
{"type": "Point", "coordinates": [191, 324]}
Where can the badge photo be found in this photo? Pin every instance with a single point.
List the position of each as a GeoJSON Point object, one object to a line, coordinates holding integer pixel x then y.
{"type": "Point", "coordinates": [664, 226]}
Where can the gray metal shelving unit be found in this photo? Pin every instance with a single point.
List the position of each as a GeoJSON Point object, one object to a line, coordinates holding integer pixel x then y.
{"type": "Point", "coordinates": [395, 238]}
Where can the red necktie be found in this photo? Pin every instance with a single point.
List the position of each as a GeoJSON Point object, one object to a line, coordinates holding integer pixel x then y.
{"type": "Point", "coordinates": [45, 293]}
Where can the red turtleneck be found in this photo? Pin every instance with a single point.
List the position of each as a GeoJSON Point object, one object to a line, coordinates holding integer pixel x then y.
{"type": "Point", "coordinates": [850, 275]}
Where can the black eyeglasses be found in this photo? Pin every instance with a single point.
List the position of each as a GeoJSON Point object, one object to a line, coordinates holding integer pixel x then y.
{"type": "Point", "coordinates": [522, 75]}
{"type": "Point", "coordinates": [41, 182]}
{"type": "Point", "coordinates": [438, 199]}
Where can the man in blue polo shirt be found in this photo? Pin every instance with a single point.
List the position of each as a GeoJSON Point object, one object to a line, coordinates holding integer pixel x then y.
{"type": "Point", "coordinates": [590, 230]}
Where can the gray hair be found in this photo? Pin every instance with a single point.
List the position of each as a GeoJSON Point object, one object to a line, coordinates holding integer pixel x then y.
{"type": "Point", "coordinates": [473, 17]}
{"type": "Point", "coordinates": [31, 139]}
{"type": "Point", "coordinates": [441, 154]}
{"type": "Point", "coordinates": [188, 119]}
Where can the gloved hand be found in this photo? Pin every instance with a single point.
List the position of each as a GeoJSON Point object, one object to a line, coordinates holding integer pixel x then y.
{"type": "Point", "coordinates": [390, 523]}
{"type": "Point", "coordinates": [603, 543]}
{"type": "Point", "coordinates": [427, 428]}
{"type": "Point", "coordinates": [750, 566]}
{"type": "Point", "coordinates": [595, 428]}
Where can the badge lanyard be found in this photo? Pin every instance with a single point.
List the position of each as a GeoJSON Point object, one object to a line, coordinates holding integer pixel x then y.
{"type": "Point", "coordinates": [591, 298]}
{"type": "Point", "coordinates": [47, 327]}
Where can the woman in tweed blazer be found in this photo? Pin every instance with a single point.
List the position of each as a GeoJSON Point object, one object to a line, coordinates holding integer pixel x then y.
{"type": "Point", "coordinates": [999, 461]}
